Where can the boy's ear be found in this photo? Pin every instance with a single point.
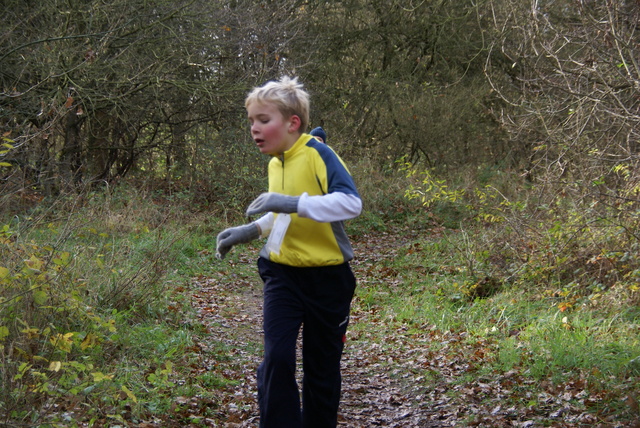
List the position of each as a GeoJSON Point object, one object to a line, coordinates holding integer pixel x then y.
{"type": "Point", "coordinates": [294, 123]}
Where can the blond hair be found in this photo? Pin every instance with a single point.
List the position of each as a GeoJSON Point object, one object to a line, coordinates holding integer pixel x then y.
{"type": "Point", "coordinates": [287, 94]}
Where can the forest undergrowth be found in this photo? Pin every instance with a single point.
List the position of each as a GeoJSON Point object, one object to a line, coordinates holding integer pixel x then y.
{"type": "Point", "coordinates": [476, 306]}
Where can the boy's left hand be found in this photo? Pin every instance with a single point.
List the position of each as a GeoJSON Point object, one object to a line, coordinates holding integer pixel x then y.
{"type": "Point", "coordinates": [273, 202]}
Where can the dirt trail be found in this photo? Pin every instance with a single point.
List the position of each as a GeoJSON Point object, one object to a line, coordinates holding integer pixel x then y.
{"type": "Point", "coordinates": [375, 391]}
{"type": "Point", "coordinates": [394, 375]}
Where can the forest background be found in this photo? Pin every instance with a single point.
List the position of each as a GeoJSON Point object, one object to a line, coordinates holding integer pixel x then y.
{"type": "Point", "coordinates": [514, 127]}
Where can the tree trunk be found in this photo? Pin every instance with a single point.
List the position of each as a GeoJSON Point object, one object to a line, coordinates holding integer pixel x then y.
{"type": "Point", "coordinates": [71, 157]}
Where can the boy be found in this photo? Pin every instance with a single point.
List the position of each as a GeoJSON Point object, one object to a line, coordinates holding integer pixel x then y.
{"type": "Point", "coordinates": [304, 264]}
{"type": "Point", "coordinates": [319, 134]}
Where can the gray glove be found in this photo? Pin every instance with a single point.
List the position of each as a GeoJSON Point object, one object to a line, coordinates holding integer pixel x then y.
{"type": "Point", "coordinates": [273, 202]}
{"type": "Point", "coordinates": [235, 235]}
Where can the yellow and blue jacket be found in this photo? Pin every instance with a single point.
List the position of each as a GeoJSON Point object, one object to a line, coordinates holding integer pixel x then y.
{"type": "Point", "coordinates": [328, 196]}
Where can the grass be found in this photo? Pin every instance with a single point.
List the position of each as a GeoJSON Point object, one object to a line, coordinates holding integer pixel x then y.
{"type": "Point", "coordinates": [532, 317]}
{"type": "Point", "coordinates": [100, 313]}
{"type": "Point", "coordinates": [582, 339]}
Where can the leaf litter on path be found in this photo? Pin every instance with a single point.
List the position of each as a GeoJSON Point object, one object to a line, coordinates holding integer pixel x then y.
{"type": "Point", "coordinates": [393, 376]}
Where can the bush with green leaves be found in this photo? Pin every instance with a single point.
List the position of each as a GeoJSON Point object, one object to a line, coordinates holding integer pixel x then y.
{"type": "Point", "coordinates": [573, 252]}
{"type": "Point", "coordinates": [72, 289]}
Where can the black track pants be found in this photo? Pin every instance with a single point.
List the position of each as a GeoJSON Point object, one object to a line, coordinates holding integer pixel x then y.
{"type": "Point", "coordinates": [318, 298]}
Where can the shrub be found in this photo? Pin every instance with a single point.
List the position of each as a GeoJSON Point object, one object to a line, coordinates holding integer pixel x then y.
{"type": "Point", "coordinates": [68, 290]}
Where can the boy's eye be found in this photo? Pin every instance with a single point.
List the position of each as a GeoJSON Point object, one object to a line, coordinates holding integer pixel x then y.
{"type": "Point", "coordinates": [262, 120]}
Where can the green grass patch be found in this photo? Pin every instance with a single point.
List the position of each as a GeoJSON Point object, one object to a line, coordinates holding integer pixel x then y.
{"type": "Point", "coordinates": [96, 300]}
{"type": "Point", "coordinates": [511, 328]}
{"type": "Point", "coordinates": [95, 312]}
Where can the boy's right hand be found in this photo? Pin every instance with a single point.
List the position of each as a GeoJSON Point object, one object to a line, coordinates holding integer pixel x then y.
{"type": "Point", "coordinates": [235, 235]}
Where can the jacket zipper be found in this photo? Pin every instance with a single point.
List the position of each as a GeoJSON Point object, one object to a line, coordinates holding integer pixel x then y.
{"type": "Point", "coordinates": [282, 171]}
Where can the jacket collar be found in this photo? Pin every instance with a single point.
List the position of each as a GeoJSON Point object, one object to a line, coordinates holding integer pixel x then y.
{"type": "Point", "coordinates": [297, 146]}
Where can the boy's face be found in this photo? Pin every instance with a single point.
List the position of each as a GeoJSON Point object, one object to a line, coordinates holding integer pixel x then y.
{"type": "Point", "coordinates": [273, 133]}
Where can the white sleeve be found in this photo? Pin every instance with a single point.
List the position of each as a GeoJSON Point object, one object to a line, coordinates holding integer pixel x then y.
{"type": "Point", "coordinates": [336, 206]}
{"type": "Point", "coordinates": [266, 224]}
